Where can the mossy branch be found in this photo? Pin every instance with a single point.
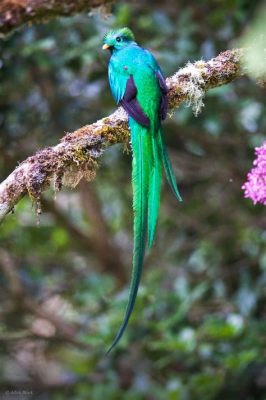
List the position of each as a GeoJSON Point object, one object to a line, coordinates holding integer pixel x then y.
{"type": "Point", "coordinates": [14, 13]}
{"type": "Point", "coordinates": [76, 156]}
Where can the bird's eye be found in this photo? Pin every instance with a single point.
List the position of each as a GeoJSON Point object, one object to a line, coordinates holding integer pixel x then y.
{"type": "Point", "coordinates": [118, 39]}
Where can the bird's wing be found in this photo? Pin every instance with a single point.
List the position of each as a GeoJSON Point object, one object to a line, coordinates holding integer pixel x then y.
{"type": "Point", "coordinates": [125, 91]}
{"type": "Point", "coordinates": [130, 103]}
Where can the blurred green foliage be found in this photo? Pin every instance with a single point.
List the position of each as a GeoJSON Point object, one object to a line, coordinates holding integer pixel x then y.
{"type": "Point", "coordinates": [254, 41]}
{"type": "Point", "coordinates": [198, 330]}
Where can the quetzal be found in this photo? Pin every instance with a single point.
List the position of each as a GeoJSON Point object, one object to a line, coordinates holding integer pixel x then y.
{"type": "Point", "coordinates": [138, 85]}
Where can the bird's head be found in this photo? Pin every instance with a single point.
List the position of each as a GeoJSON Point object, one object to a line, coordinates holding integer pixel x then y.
{"type": "Point", "coordinates": [118, 39]}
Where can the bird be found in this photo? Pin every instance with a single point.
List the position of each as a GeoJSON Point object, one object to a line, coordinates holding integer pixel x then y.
{"type": "Point", "coordinates": [138, 85]}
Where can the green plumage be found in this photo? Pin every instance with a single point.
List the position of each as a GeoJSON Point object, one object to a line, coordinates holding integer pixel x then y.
{"type": "Point", "coordinates": [137, 84]}
{"type": "Point", "coordinates": [155, 183]}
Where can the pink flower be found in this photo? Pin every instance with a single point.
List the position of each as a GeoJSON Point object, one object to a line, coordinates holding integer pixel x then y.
{"type": "Point", "coordinates": [255, 187]}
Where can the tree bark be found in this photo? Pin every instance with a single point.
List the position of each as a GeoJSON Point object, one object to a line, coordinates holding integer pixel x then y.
{"type": "Point", "coordinates": [14, 13]}
{"type": "Point", "coordinates": [77, 154]}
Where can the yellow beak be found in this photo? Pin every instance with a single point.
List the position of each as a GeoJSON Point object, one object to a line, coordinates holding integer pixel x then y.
{"type": "Point", "coordinates": [105, 47]}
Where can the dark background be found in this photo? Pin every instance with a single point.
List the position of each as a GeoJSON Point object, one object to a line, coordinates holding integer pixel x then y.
{"type": "Point", "coordinates": [198, 329]}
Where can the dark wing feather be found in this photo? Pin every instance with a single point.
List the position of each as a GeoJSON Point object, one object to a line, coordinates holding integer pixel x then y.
{"type": "Point", "coordinates": [164, 90]}
{"type": "Point", "coordinates": [131, 104]}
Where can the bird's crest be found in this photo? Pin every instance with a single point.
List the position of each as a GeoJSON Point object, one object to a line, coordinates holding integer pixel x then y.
{"type": "Point", "coordinates": [125, 32]}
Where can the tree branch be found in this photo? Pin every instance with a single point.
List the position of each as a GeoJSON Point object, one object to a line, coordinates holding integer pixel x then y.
{"type": "Point", "coordinates": [14, 13]}
{"type": "Point", "coordinates": [77, 154]}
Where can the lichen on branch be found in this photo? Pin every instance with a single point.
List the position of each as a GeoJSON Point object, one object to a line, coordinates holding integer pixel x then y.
{"type": "Point", "coordinates": [77, 154]}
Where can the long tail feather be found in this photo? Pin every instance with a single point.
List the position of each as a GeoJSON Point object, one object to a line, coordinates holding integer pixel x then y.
{"type": "Point", "coordinates": [141, 146]}
{"type": "Point", "coordinates": [168, 166]}
{"type": "Point", "coordinates": [149, 153]}
{"type": "Point", "coordinates": [154, 190]}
